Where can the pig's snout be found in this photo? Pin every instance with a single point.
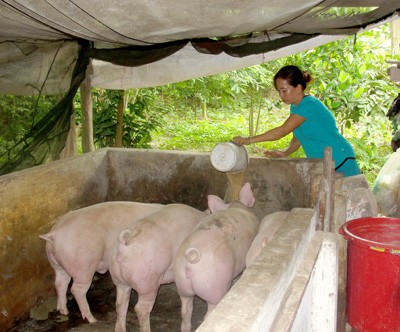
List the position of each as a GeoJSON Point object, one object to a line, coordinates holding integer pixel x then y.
{"type": "Point", "coordinates": [192, 255]}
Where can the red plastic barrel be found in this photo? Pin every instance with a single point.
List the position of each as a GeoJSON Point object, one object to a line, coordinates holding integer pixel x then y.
{"type": "Point", "coordinates": [373, 273]}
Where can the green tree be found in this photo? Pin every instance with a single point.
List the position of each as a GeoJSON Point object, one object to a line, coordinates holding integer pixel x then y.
{"type": "Point", "coordinates": [18, 115]}
{"type": "Point", "coordinates": [138, 120]}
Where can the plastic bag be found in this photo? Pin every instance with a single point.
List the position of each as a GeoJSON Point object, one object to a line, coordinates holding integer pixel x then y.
{"type": "Point", "coordinates": [386, 187]}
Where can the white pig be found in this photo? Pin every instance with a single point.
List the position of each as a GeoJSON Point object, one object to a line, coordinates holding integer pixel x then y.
{"type": "Point", "coordinates": [214, 253]}
{"type": "Point", "coordinates": [79, 244]}
{"type": "Point", "coordinates": [268, 226]}
{"type": "Point", "coordinates": [142, 258]}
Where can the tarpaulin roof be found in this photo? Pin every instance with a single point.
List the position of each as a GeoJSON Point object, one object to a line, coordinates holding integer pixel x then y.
{"type": "Point", "coordinates": [142, 43]}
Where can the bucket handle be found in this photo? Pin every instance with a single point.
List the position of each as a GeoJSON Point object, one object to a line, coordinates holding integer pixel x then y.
{"type": "Point", "coordinates": [235, 143]}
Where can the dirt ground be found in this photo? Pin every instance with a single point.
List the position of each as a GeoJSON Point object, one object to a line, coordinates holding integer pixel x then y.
{"type": "Point", "coordinates": [101, 297]}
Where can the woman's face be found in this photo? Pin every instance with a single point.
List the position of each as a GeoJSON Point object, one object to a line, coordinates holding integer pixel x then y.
{"type": "Point", "coordinates": [288, 93]}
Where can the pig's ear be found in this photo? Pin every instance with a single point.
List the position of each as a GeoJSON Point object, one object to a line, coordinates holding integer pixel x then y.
{"type": "Point", "coordinates": [216, 204]}
{"type": "Point", "coordinates": [246, 196]}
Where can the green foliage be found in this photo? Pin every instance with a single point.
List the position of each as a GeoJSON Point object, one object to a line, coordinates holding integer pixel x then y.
{"type": "Point", "coordinates": [371, 141]}
{"type": "Point", "coordinates": [138, 122]}
{"type": "Point", "coordinates": [349, 78]}
{"type": "Point", "coordinates": [18, 116]}
{"type": "Point", "coordinates": [220, 126]}
{"type": "Point", "coordinates": [198, 135]}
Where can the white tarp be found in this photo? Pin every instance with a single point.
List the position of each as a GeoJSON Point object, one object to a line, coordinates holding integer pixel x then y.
{"type": "Point", "coordinates": [39, 38]}
{"type": "Point", "coordinates": [186, 64]}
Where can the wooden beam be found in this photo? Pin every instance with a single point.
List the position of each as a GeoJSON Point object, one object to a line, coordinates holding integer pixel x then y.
{"type": "Point", "coordinates": [395, 25]}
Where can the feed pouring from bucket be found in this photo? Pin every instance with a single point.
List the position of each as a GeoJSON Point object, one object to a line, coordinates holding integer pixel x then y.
{"type": "Point", "coordinates": [229, 157]}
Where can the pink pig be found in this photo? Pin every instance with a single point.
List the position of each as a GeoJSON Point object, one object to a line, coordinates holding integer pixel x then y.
{"type": "Point", "coordinates": [268, 227]}
{"type": "Point", "coordinates": [214, 253]}
{"type": "Point", "coordinates": [79, 244]}
{"type": "Point", "coordinates": [142, 258]}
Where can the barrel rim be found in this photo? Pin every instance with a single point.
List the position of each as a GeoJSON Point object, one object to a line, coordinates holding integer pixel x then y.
{"type": "Point", "coordinates": [345, 230]}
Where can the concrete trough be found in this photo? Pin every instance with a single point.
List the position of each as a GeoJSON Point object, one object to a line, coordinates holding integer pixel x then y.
{"type": "Point", "coordinates": [31, 200]}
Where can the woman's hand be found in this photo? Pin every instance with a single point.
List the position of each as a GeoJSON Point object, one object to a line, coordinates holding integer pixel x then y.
{"type": "Point", "coordinates": [240, 140]}
{"type": "Point", "coordinates": [275, 154]}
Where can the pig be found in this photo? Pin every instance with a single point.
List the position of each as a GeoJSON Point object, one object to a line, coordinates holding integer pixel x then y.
{"type": "Point", "coordinates": [214, 253]}
{"type": "Point", "coordinates": [79, 244]}
{"type": "Point", "coordinates": [142, 258]}
{"type": "Point", "coordinates": [268, 226]}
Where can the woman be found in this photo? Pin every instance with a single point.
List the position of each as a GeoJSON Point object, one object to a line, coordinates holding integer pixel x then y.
{"type": "Point", "coordinates": [313, 126]}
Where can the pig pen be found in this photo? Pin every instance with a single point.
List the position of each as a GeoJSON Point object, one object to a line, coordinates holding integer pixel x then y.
{"type": "Point", "coordinates": [275, 293]}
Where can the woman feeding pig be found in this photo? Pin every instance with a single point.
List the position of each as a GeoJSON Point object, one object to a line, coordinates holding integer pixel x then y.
{"type": "Point", "coordinates": [312, 124]}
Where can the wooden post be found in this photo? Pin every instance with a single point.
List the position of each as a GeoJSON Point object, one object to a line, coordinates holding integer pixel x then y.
{"type": "Point", "coordinates": [120, 119]}
{"type": "Point", "coordinates": [87, 111]}
{"type": "Point", "coordinates": [329, 169]}
{"type": "Point", "coordinates": [395, 25]}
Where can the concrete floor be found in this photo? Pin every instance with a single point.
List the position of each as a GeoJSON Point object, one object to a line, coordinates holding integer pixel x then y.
{"type": "Point", "coordinates": [101, 297]}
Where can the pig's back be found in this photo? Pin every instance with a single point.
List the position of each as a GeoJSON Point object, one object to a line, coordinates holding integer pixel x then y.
{"type": "Point", "coordinates": [93, 229]}
{"type": "Point", "coordinates": [268, 227]}
{"type": "Point", "coordinates": [104, 216]}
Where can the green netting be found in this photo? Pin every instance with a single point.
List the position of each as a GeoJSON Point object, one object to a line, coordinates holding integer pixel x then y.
{"type": "Point", "coordinates": [46, 138]}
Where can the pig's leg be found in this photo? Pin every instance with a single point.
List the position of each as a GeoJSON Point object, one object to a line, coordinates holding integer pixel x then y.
{"type": "Point", "coordinates": [79, 290]}
{"type": "Point", "coordinates": [186, 312]}
{"type": "Point", "coordinates": [143, 309]}
{"type": "Point", "coordinates": [62, 280]}
{"type": "Point", "coordinates": [122, 304]}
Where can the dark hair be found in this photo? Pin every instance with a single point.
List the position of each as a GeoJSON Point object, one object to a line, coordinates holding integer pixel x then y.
{"type": "Point", "coordinates": [294, 76]}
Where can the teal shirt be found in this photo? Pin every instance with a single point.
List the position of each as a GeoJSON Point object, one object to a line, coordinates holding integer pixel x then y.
{"type": "Point", "coordinates": [319, 131]}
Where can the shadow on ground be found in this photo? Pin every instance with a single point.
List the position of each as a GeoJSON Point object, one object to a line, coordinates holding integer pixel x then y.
{"type": "Point", "coordinates": [101, 297]}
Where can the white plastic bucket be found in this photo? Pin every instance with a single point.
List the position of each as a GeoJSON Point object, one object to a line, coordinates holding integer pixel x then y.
{"type": "Point", "coordinates": [229, 157]}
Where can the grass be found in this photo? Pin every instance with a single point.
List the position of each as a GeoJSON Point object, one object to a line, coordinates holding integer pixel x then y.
{"type": "Point", "coordinates": [191, 134]}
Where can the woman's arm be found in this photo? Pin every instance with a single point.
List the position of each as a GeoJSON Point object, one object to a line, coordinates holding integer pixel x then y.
{"type": "Point", "coordinates": [291, 123]}
{"type": "Point", "coordinates": [294, 145]}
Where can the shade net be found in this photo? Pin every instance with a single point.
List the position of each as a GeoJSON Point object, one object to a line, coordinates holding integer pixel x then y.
{"type": "Point", "coordinates": [164, 42]}
{"type": "Point", "coordinates": [46, 138]}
